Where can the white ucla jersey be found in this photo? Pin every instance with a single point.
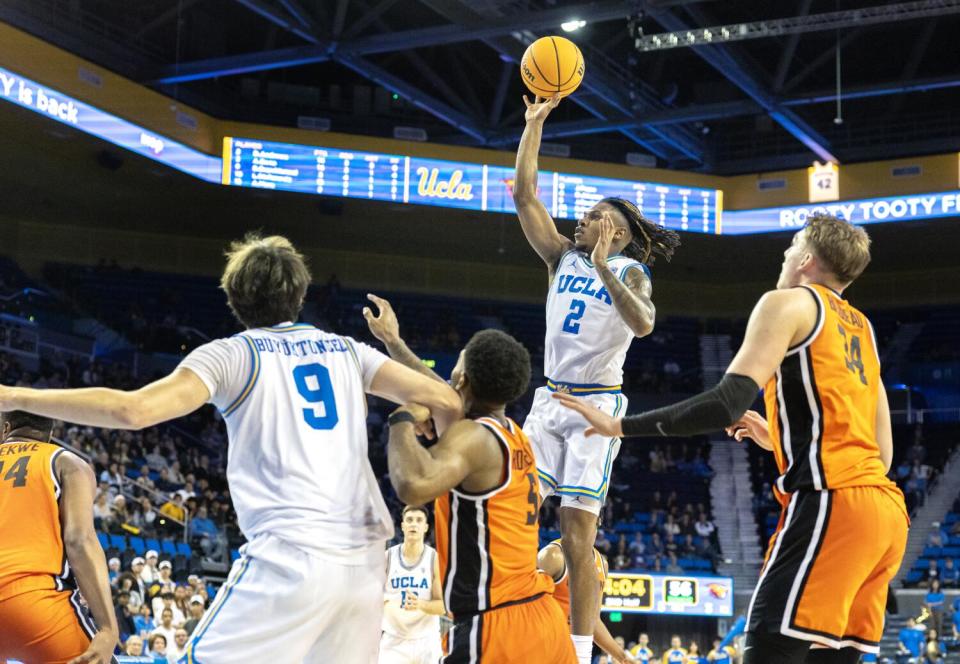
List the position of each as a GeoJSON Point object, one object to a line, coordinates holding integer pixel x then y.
{"type": "Point", "coordinates": [293, 398]}
{"type": "Point", "coordinates": [403, 578]}
{"type": "Point", "coordinates": [587, 340]}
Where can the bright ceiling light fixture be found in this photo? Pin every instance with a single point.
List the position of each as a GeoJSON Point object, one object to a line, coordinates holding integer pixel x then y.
{"type": "Point", "coordinates": [572, 25]}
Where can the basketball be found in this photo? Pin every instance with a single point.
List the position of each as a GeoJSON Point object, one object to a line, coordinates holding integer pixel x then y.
{"type": "Point", "coordinates": [552, 66]}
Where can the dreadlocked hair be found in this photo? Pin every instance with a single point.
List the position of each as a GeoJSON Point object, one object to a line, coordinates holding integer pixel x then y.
{"type": "Point", "coordinates": [649, 239]}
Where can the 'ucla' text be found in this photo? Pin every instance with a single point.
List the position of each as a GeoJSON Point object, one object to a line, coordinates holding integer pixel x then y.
{"type": "Point", "coordinates": [408, 583]}
{"type": "Point", "coordinates": [569, 283]}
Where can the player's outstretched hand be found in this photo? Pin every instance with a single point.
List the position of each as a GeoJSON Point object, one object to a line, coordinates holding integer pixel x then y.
{"type": "Point", "coordinates": [100, 650]}
{"type": "Point", "coordinates": [602, 249]}
{"type": "Point", "coordinates": [752, 426]}
{"type": "Point", "coordinates": [385, 326]}
{"type": "Point", "coordinates": [600, 423]}
{"type": "Point", "coordinates": [411, 602]}
{"type": "Point", "coordinates": [422, 419]}
{"type": "Point", "coordinates": [540, 108]}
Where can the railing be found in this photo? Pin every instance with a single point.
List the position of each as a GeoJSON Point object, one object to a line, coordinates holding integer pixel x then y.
{"type": "Point", "coordinates": [921, 415]}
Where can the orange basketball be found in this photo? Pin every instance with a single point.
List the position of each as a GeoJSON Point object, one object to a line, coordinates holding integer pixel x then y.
{"type": "Point", "coordinates": [552, 66]}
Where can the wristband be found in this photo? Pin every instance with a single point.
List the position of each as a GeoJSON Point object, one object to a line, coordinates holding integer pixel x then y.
{"type": "Point", "coordinates": [401, 416]}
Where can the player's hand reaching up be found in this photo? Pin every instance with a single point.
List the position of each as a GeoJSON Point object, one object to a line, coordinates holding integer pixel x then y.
{"type": "Point", "coordinates": [605, 239]}
{"type": "Point", "coordinates": [540, 108]}
{"type": "Point", "coordinates": [754, 427]}
{"type": "Point", "coordinates": [384, 327]}
{"type": "Point", "coordinates": [601, 423]}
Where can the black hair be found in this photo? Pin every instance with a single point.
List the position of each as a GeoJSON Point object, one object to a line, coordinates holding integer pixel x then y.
{"type": "Point", "coordinates": [18, 419]}
{"type": "Point", "coordinates": [497, 366]}
{"type": "Point", "coordinates": [649, 238]}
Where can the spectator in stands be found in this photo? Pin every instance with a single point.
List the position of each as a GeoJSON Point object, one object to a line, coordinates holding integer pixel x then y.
{"type": "Point", "coordinates": [931, 574]}
{"type": "Point", "coordinates": [127, 584]}
{"type": "Point", "coordinates": [150, 573]}
{"type": "Point", "coordinates": [196, 614]}
{"type": "Point", "coordinates": [689, 549]}
{"type": "Point", "coordinates": [179, 647]}
{"type": "Point", "coordinates": [181, 595]}
{"type": "Point", "coordinates": [950, 574]}
{"type": "Point", "coordinates": [113, 570]}
{"type": "Point", "coordinates": [671, 527]}
{"type": "Point", "coordinates": [656, 544]}
{"type": "Point", "coordinates": [935, 538]}
{"type": "Point", "coordinates": [934, 601]}
{"type": "Point", "coordinates": [124, 617]}
{"type": "Point", "coordinates": [164, 602]}
{"type": "Point", "coordinates": [101, 511]}
{"type": "Point", "coordinates": [637, 547]}
{"type": "Point", "coordinates": [670, 545]}
{"type": "Point", "coordinates": [935, 650]}
{"type": "Point", "coordinates": [911, 642]}
{"type": "Point", "coordinates": [673, 567]}
{"type": "Point", "coordinates": [148, 516]}
{"type": "Point", "coordinates": [165, 580]}
{"type": "Point", "coordinates": [166, 627]}
{"type": "Point", "coordinates": [157, 645]}
{"type": "Point", "coordinates": [174, 510]}
{"type": "Point", "coordinates": [602, 543]}
{"type": "Point", "coordinates": [704, 526]}
{"type": "Point", "coordinates": [133, 647]}
{"type": "Point", "coordinates": [956, 625]}
{"type": "Point", "coordinates": [112, 477]}
{"type": "Point", "coordinates": [143, 623]}
{"type": "Point", "coordinates": [205, 532]}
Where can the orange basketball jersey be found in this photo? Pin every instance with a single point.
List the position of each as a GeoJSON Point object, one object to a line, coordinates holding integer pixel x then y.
{"type": "Point", "coordinates": [822, 403]}
{"type": "Point", "coordinates": [561, 591]}
{"type": "Point", "coordinates": [31, 548]}
{"type": "Point", "coordinates": [488, 542]}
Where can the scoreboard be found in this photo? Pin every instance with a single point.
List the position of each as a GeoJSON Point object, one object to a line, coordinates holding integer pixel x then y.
{"type": "Point", "coordinates": [668, 594]}
{"type": "Point", "coordinates": [484, 187]}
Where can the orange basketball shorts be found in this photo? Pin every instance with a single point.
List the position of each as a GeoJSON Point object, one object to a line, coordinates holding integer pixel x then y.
{"type": "Point", "coordinates": [829, 567]}
{"type": "Point", "coordinates": [44, 627]}
{"type": "Point", "coordinates": [532, 630]}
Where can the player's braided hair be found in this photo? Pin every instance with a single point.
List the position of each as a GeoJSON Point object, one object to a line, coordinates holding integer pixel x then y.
{"type": "Point", "coordinates": [648, 238]}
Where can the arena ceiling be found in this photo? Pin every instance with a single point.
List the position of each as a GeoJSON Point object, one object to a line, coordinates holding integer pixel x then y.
{"type": "Point", "coordinates": [722, 87]}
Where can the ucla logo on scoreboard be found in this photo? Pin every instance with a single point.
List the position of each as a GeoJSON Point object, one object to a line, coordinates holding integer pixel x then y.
{"type": "Point", "coordinates": [453, 187]}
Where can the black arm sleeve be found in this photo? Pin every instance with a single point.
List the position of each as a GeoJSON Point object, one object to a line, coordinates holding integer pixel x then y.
{"type": "Point", "coordinates": [715, 409]}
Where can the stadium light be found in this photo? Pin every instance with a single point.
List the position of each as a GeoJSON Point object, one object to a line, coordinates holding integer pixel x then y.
{"type": "Point", "coordinates": [572, 25]}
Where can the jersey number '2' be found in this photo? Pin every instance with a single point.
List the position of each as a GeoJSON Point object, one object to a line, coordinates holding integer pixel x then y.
{"type": "Point", "coordinates": [571, 323]}
{"type": "Point", "coordinates": [322, 393]}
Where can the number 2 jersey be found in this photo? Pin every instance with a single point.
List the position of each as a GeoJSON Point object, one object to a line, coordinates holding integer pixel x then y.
{"type": "Point", "coordinates": [294, 401]}
{"type": "Point", "coordinates": [587, 339]}
{"type": "Point", "coordinates": [32, 555]}
{"type": "Point", "coordinates": [488, 542]}
{"type": "Point", "coordinates": [822, 403]}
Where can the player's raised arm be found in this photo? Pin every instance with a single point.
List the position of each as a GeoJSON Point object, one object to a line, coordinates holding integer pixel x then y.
{"type": "Point", "coordinates": [176, 395]}
{"type": "Point", "coordinates": [85, 555]}
{"type": "Point", "coordinates": [386, 328]}
{"type": "Point", "coordinates": [538, 226]}
{"type": "Point", "coordinates": [419, 474]}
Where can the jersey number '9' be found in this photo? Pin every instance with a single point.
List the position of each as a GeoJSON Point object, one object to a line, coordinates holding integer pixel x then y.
{"type": "Point", "coordinates": [322, 393]}
{"type": "Point", "coordinates": [571, 323]}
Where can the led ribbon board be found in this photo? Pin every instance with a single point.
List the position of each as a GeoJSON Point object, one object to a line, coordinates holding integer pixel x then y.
{"type": "Point", "coordinates": [405, 179]}
{"type": "Point", "coordinates": [66, 110]}
{"type": "Point", "coordinates": [867, 211]}
{"type": "Point", "coordinates": [668, 594]}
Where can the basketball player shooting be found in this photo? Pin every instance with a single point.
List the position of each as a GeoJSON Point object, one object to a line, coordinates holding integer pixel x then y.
{"type": "Point", "coordinates": [843, 530]}
{"type": "Point", "coordinates": [599, 300]}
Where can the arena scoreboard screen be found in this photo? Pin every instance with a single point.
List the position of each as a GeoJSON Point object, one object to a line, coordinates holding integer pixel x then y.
{"type": "Point", "coordinates": [668, 594]}
{"type": "Point", "coordinates": [327, 171]}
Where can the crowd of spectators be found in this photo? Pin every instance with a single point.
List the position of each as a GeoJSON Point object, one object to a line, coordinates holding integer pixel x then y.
{"type": "Point", "coordinates": [929, 638]}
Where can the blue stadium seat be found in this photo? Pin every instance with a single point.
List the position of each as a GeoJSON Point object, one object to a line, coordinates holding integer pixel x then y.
{"type": "Point", "coordinates": [931, 552]}
{"type": "Point", "coordinates": [169, 547]}
{"type": "Point", "coordinates": [184, 549]}
{"type": "Point", "coordinates": [153, 544]}
{"type": "Point", "coordinates": [951, 551]}
{"type": "Point", "coordinates": [914, 577]}
{"type": "Point", "coordinates": [136, 543]}
{"type": "Point", "coordinates": [104, 541]}
{"type": "Point", "coordinates": [234, 555]}
{"type": "Point", "coordinates": [118, 542]}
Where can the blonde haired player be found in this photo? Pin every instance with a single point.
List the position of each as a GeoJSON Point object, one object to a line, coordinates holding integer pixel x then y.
{"type": "Point", "coordinates": [843, 529]}
{"type": "Point", "coordinates": [598, 301]}
{"type": "Point", "coordinates": [413, 596]}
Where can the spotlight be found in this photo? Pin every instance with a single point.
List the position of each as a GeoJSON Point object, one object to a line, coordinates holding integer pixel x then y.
{"type": "Point", "coordinates": [572, 25]}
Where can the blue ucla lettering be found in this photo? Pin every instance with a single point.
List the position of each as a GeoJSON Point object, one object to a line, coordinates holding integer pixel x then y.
{"type": "Point", "coordinates": [577, 285]}
{"type": "Point", "coordinates": [587, 291]}
{"type": "Point", "coordinates": [563, 282]}
{"type": "Point", "coordinates": [408, 583]}
{"type": "Point", "coordinates": [602, 294]}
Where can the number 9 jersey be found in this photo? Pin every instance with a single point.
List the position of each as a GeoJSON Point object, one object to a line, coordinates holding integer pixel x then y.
{"type": "Point", "coordinates": [822, 403]}
{"type": "Point", "coordinates": [293, 399]}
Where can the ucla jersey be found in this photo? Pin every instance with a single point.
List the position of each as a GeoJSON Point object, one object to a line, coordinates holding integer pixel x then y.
{"type": "Point", "coordinates": [587, 340]}
{"type": "Point", "coordinates": [293, 398]}
{"type": "Point", "coordinates": [417, 579]}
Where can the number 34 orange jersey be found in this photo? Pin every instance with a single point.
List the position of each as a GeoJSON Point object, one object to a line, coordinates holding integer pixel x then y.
{"type": "Point", "coordinates": [822, 403]}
